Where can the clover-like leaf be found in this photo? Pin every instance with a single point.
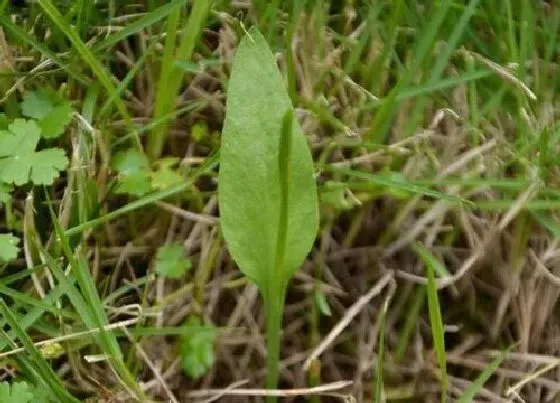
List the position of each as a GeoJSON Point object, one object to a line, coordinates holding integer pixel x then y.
{"type": "Point", "coordinates": [134, 174]}
{"type": "Point", "coordinates": [171, 261]}
{"type": "Point", "coordinates": [8, 249]}
{"type": "Point", "coordinates": [137, 184]}
{"type": "Point", "coordinates": [163, 178]}
{"type": "Point", "coordinates": [129, 162]}
{"type": "Point", "coordinates": [18, 392]}
{"type": "Point", "coordinates": [38, 104]}
{"type": "Point", "coordinates": [20, 163]}
{"type": "Point", "coordinates": [53, 113]}
{"type": "Point", "coordinates": [197, 349]}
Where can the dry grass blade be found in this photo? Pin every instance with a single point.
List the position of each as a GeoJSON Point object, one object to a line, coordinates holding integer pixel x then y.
{"type": "Point", "coordinates": [349, 315]}
{"type": "Point", "coordinates": [323, 390]}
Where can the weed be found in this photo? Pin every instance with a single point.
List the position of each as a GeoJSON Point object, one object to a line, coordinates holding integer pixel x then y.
{"type": "Point", "coordinates": [268, 201]}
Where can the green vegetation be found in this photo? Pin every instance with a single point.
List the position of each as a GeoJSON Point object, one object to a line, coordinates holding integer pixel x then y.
{"type": "Point", "coordinates": [158, 159]}
{"type": "Point", "coordinates": [268, 199]}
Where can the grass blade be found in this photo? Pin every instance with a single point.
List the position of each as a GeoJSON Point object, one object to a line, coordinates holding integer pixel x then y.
{"type": "Point", "coordinates": [143, 22]}
{"type": "Point", "coordinates": [436, 323]}
{"type": "Point", "coordinates": [475, 387]}
{"type": "Point", "coordinates": [21, 35]}
{"type": "Point", "coordinates": [169, 85]}
{"type": "Point", "coordinates": [87, 56]}
{"type": "Point", "coordinates": [44, 370]}
{"type": "Point", "coordinates": [395, 184]}
{"type": "Point", "coordinates": [89, 304]}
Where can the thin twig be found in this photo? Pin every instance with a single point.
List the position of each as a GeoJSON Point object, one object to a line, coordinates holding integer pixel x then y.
{"type": "Point", "coordinates": [155, 370]}
{"type": "Point", "coordinates": [123, 324]}
{"type": "Point", "coordinates": [347, 318]}
{"type": "Point", "coordinates": [317, 390]}
{"type": "Point", "coordinates": [187, 215]}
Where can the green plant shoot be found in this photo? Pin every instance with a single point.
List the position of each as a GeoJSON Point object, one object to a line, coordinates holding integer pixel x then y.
{"type": "Point", "coordinates": [267, 191]}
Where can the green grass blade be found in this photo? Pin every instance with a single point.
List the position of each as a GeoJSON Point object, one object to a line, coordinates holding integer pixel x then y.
{"type": "Point", "coordinates": [547, 222]}
{"type": "Point", "coordinates": [21, 35]}
{"type": "Point", "coordinates": [34, 314]}
{"type": "Point", "coordinates": [87, 56]}
{"type": "Point", "coordinates": [173, 190]}
{"type": "Point", "coordinates": [443, 84]}
{"type": "Point", "coordinates": [44, 370]}
{"type": "Point", "coordinates": [428, 258]}
{"type": "Point", "coordinates": [425, 40]}
{"type": "Point", "coordinates": [475, 387]}
{"type": "Point", "coordinates": [409, 325]}
{"type": "Point", "coordinates": [395, 184]}
{"type": "Point", "coordinates": [169, 84]}
{"type": "Point", "coordinates": [91, 306]}
{"type": "Point", "coordinates": [143, 22]}
{"type": "Point", "coordinates": [436, 324]}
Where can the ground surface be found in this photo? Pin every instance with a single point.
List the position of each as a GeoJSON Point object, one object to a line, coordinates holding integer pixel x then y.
{"type": "Point", "coordinates": [434, 130]}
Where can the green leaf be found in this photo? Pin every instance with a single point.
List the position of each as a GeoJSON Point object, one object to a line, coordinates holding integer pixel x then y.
{"type": "Point", "coordinates": [267, 191]}
{"type": "Point", "coordinates": [197, 349]}
{"type": "Point", "coordinates": [322, 303]}
{"type": "Point", "coordinates": [250, 178]}
{"type": "Point", "coordinates": [137, 184]}
{"type": "Point", "coordinates": [333, 194]}
{"type": "Point", "coordinates": [18, 392]}
{"type": "Point", "coordinates": [20, 163]}
{"type": "Point", "coordinates": [55, 123]}
{"type": "Point", "coordinates": [134, 176]}
{"type": "Point", "coordinates": [171, 261]}
{"type": "Point", "coordinates": [37, 104]}
{"type": "Point", "coordinates": [52, 112]}
{"type": "Point", "coordinates": [129, 162]}
{"type": "Point", "coordinates": [164, 175]}
{"type": "Point", "coordinates": [428, 258]}
{"type": "Point", "coordinates": [4, 121]}
{"type": "Point", "coordinates": [8, 248]}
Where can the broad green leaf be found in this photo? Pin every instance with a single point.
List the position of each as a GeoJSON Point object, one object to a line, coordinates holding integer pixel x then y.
{"type": "Point", "coordinates": [171, 261]}
{"type": "Point", "coordinates": [8, 247]}
{"type": "Point", "coordinates": [250, 191]}
{"type": "Point", "coordinates": [267, 191]}
{"type": "Point", "coordinates": [20, 163]}
{"type": "Point", "coordinates": [18, 392]}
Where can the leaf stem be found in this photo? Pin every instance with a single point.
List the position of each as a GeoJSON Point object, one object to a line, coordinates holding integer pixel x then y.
{"type": "Point", "coordinates": [274, 310]}
{"type": "Point", "coordinates": [274, 297]}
